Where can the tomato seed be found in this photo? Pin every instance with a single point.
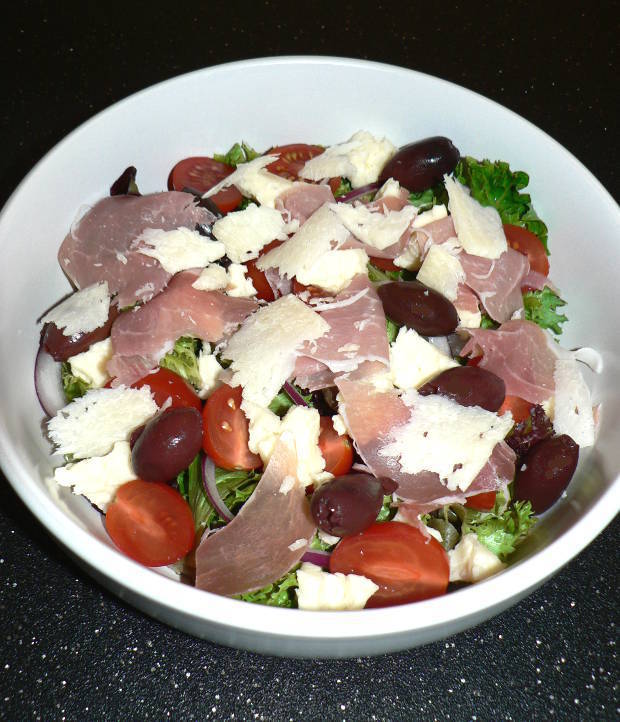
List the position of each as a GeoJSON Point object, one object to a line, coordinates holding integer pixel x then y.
{"type": "Point", "coordinates": [231, 403]}
{"type": "Point", "coordinates": [226, 426]}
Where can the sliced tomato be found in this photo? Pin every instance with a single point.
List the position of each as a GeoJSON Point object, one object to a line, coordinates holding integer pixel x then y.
{"type": "Point", "coordinates": [337, 450]}
{"type": "Point", "coordinates": [292, 158]}
{"type": "Point", "coordinates": [264, 292]}
{"type": "Point", "coordinates": [313, 291]}
{"type": "Point", "coordinates": [474, 360]}
{"type": "Point", "coordinates": [406, 566]}
{"type": "Point", "coordinates": [201, 174]}
{"type": "Point", "coordinates": [226, 432]}
{"type": "Point", "coordinates": [385, 264]}
{"type": "Point", "coordinates": [484, 501]}
{"type": "Point", "coordinates": [334, 183]}
{"type": "Point", "coordinates": [151, 523]}
{"type": "Point", "coordinates": [518, 407]}
{"type": "Point", "coordinates": [530, 245]}
{"type": "Point", "coordinates": [165, 384]}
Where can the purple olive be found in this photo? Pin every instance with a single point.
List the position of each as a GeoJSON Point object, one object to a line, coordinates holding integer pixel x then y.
{"type": "Point", "coordinates": [416, 306]}
{"type": "Point", "coordinates": [347, 504]}
{"type": "Point", "coordinates": [61, 347]}
{"type": "Point", "coordinates": [468, 386]}
{"type": "Point", "coordinates": [422, 164]}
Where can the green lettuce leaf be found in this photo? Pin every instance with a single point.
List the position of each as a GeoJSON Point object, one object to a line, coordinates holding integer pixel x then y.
{"type": "Point", "coordinates": [500, 530]}
{"type": "Point", "coordinates": [494, 184]}
{"type": "Point", "coordinates": [239, 153]}
{"type": "Point", "coordinates": [540, 307]}
{"type": "Point", "coordinates": [487, 322]}
{"type": "Point", "coordinates": [283, 402]}
{"type": "Point", "coordinates": [183, 360]}
{"type": "Point", "coordinates": [425, 200]}
{"type": "Point", "coordinates": [392, 329]}
{"type": "Point", "coordinates": [73, 386]}
{"type": "Point", "coordinates": [376, 275]}
{"type": "Point", "coordinates": [343, 188]}
{"type": "Point", "coordinates": [278, 594]}
{"type": "Point", "coordinates": [387, 512]}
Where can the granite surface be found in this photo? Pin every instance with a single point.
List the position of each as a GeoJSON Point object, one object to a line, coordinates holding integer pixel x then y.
{"type": "Point", "coordinates": [70, 650]}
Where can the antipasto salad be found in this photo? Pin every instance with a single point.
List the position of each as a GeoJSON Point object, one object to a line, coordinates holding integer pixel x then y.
{"type": "Point", "coordinates": [315, 377]}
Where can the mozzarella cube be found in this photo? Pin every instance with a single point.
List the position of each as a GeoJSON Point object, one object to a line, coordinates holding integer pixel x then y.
{"type": "Point", "coordinates": [319, 590]}
{"type": "Point", "coordinates": [471, 561]}
{"type": "Point", "coordinates": [91, 365]}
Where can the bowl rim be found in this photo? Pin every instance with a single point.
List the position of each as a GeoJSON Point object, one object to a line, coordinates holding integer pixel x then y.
{"type": "Point", "coordinates": [471, 601]}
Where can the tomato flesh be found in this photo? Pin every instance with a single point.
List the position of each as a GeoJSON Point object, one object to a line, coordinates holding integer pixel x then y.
{"type": "Point", "coordinates": [292, 159]}
{"type": "Point", "coordinates": [313, 291]}
{"type": "Point", "coordinates": [264, 292]}
{"type": "Point", "coordinates": [485, 501]}
{"type": "Point", "coordinates": [337, 450]}
{"type": "Point", "coordinates": [385, 264]}
{"type": "Point", "coordinates": [530, 245]}
{"type": "Point", "coordinates": [406, 566]}
{"type": "Point", "coordinates": [226, 430]}
{"type": "Point", "coordinates": [201, 174]}
{"type": "Point", "coordinates": [165, 384]}
{"type": "Point", "coordinates": [518, 407]}
{"type": "Point", "coordinates": [151, 523]}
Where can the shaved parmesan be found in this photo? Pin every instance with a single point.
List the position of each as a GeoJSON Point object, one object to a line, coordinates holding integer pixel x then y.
{"type": "Point", "coordinates": [375, 228]}
{"type": "Point", "coordinates": [471, 561]}
{"type": "Point", "coordinates": [321, 590]}
{"type": "Point", "coordinates": [212, 278]}
{"type": "Point", "coordinates": [90, 365]}
{"type": "Point", "coordinates": [180, 249]}
{"type": "Point", "coordinates": [414, 361]}
{"type": "Point", "coordinates": [442, 270]}
{"type": "Point", "coordinates": [83, 311]}
{"type": "Point", "coordinates": [572, 407]}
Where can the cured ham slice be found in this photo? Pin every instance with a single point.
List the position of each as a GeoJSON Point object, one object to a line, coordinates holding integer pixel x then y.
{"type": "Point", "coordinates": [140, 338]}
{"type": "Point", "coordinates": [357, 334]}
{"type": "Point", "coordinates": [253, 551]}
{"type": "Point", "coordinates": [302, 199]}
{"type": "Point", "coordinates": [519, 352]}
{"type": "Point", "coordinates": [99, 245]}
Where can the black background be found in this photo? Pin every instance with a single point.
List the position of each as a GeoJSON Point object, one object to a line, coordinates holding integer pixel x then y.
{"type": "Point", "coordinates": [68, 649]}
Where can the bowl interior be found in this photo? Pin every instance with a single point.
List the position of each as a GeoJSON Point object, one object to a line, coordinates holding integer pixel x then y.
{"type": "Point", "coordinates": [327, 99]}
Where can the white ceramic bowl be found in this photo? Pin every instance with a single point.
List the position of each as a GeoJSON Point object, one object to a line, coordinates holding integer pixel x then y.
{"type": "Point", "coordinates": [327, 99]}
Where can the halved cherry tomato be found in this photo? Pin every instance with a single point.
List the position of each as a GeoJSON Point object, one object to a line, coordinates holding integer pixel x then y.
{"type": "Point", "coordinates": [151, 523]}
{"type": "Point", "coordinates": [165, 384]}
{"type": "Point", "coordinates": [385, 264]}
{"type": "Point", "coordinates": [201, 174]}
{"type": "Point", "coordinates": [484, 501]}
{"type": "Point", "coordinates": [292, 158]}
{"type": "Point", "coordinates": [313, 291]}
{"type": "Point", "coordinates": [530, 245]}
{"type": "Point", "coordinates": [406, 566]}
{"type": "Point", "coordinates": [474, 360]}
{"type": "Point", "coordinates": [337, 450]}
{"type": "Point", "coordinates": [226, 431]}
{"type": "Point", "coordinates": [263, 290]}
{"type": "Point", "coordinates": [518, 407]}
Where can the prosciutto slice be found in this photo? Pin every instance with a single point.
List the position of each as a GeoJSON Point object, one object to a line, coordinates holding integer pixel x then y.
{"type": "Point", "coordinates": [267, 537]}
{"type": "Point", "coordinates": [140, 338]}
{"type": "Point", "coordinates": [99, 246]}
{"type": "Point", "coordinates": [302, 199]}
{"type": "Point", "coordinates": [519, 352]}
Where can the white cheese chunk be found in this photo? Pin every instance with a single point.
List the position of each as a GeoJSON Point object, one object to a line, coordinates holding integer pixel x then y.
{"type": "Point", "coordinates": [83, 311]}
{"type": "Point", "coordinates": [99, 477]}
{"type": "Point", "coordinates": [374, 228]}
{"type": "Point", "coordinates": [414, 361]}
{"type": "Point", "coordinates": [339, 426]}
{"type": "Point", "coordinates": [238, 284]}
{"type": "Point", "coordinates": [245, 233]}
{"type": "Point", "coordinates": [319, 590]}
{"type": "Point", "coordinates": [211, 278]}
{"type": "Point", "coordinates": [91, 424]}
{"type": "Point", "coordinates": [469, 319]}
{"type": "Point", "coordinates": [209, 371]}
{"type": "Point", "coordinates": [572, 407]}
{"type": "Point", "coordinates": [360, 159]}
{"type": "Point", "coordinates": [91, 365]}
{"type": "Point", "coordinates": [335, 270]}
{"type": "Point", "coordinates": [442, 270]}
{"type": "Point", "coordinates": [471, 561]}
{"type": "Point", "coordinates": [479, 228]}
{"type": "Point", "coordinates": [254, 181]}
{"type": "Point", "coordinates": [179, 249]}
{"type": "Point", "coordinates": [264, 427]}
{"type": "Point", "coordinates": [390, 189]}
{"type": "Point", "coordinates": [436, 213]}
{"type": "Point", "coordinates": [410, 257]}
{"type": "Point", "coordinates": [327, 538]}
{"type": "Point", "coordinates": [263, 350]}
{"type": "Point", "coordinates": [442, 436]}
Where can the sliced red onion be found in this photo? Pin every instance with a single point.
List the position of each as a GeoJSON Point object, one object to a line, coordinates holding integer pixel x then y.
{"type": "Point", "coordinates": [48, 383]}
{"type": "Point", "coordinates": [318, 557]}
{"type": "Point", "coordinates": [211, 490]}
{"type": "Point", "coordinates": [352, 195]}
{"type": "Point", "coordinates": [296, 397]}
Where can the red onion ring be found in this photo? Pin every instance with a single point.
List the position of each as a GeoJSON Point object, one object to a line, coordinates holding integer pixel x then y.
{"type": "Point", "coordinates": [211, 490]}
{"type": "Point", "coordinates": [318, 557]}
{"type": "Point", "coordinates": [352, 195]}
{"type": "Point", "coordinates": [48, 383]}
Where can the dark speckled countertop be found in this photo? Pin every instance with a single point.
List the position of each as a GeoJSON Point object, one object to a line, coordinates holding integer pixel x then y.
{"type": "Point", "coordinates": [70, 650]}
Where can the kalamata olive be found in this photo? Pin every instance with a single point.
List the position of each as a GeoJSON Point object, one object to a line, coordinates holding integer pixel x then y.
{"type": "Point", "coordinates": [168, 444]}
{"type": "Point", "coordinates": [61, 347]}
{"type": "Point", "coordinates": [468, 386]}
{"type": "Point", "coordinates": [347, 504]}
{"type": "Point", "coordinates": [416, 306]}
{"type": "Point", "coordinates": [420, 165]}
{"type": "Point", "coordinates": [546, 471]}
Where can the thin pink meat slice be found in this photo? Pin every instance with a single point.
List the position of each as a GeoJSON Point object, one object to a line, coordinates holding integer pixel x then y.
{"type": "Point", "coordinates": [99, 245]}
{"type": "Point", "coordinates": [141, 337]}
{"type": "Point", "coordinates": [253, 550]}
{"type": "Point", "coordinates": [303, 199]}
{"type": "Point", "coordinates": [357, 334]}
{"type": "Point", "coordinates": [434, 233]}
{"type": "Point", "coordinates": [519, 352]}
{"type": "Point", "coordinates": [466, 299]}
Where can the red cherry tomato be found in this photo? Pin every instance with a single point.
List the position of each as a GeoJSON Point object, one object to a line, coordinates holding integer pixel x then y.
{"type": "Point", "coordinates": [201, 174]}
{"type": "Point", "coordinates": [292, 159]}
{"type": "Point", "coordinates": [226, 431]}
{"type": "Point", "coordinates": [337, 450]}
{"type": "Point", "coordinates": [484, 501]}
{"type": "Point", "coordinates": [474, 360]}
{"type": "Point", "coordinates": [530, 245]}
{"type": "Point", "coordinates": [313, 291]}
{"type": "Point", "coordinates": [518, 407]}
{"type": "Point", "coordinates": [165, 384]}
{"type": "Point", "coordinates": [385, 264]}
{"type": "Point", "coordinates": [151, 523]}
{"type": "Point", "coordinates": [264, 292]}
{"type": "Point", "coordinates": [406, 566]}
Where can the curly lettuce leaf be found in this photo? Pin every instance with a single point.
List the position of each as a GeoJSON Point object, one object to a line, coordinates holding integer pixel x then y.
{"type": "Point", "coordinates": [377, 275]}
{"type": "Point", "coordinates": [425, 200]}
{"type": "Point", "coordinates": [183, 360]}
{"type": "Point", "coordinates": [344, 188]}
{"type": "Point", "coordinates": [239, 153]}
{"type": "Point", "coordinates": [500, 530]}
{"type": "Point", "coordinates": [387, 512]}
{"type": "Point", "coordinates": [494, 184]}
{"type": "Point", "coordinates": [73, 386]}
{"type": "Point", "coordinates": [541, 308]}
{"type": "Point", "coordinates": [280, 593]}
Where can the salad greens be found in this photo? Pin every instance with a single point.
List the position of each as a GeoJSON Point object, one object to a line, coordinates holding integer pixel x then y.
{"type": "Point", "coordinates": [540, 307]}
{"type": "Point", "coordinates": [183, 359]}
{"type": "Point", "coordinates": [425, 200]}
{"type": "Point", "coordinates": [343, 188]}
{"type": "Point", "coordinates": [239, 153]}
{"type": "Point", "coordinates": [73, 386]}
{"type": "Point", "coordinates": [280, 593]}
{"type": "Point", "coordinates": [283, 402]}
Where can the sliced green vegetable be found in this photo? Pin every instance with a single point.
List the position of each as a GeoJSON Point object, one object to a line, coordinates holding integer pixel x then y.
{"type": "Point", "coordinates": [540, 307]}
{"type": "Point", "coordinates": [239, 153]}
{"type": "Point", "coordinates": [183, 360]}
{"type": "Point", "coordinates": [278, 594]}
{"type": "Point", "coordinates": [73, 386]}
